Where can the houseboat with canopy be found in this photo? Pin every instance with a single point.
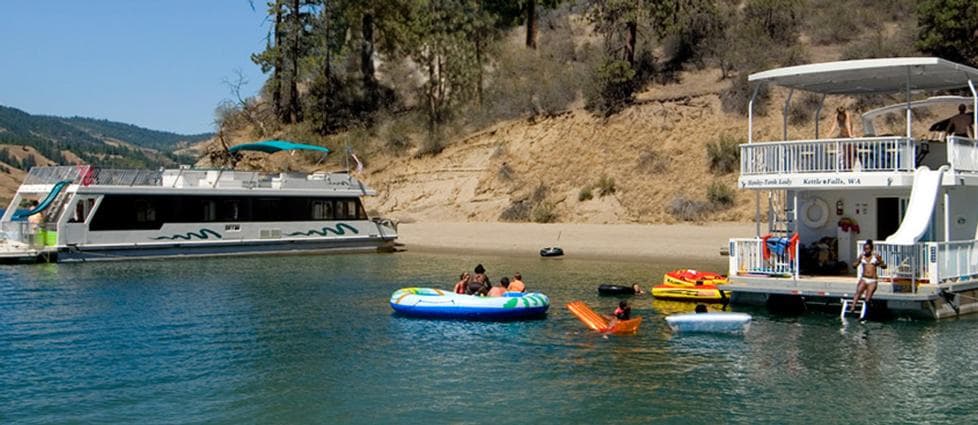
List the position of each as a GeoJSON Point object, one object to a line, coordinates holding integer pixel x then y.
{"type": "Point", "coordinates": [90, 213]}
{"type": "Point", "coordinates": [913, 193]}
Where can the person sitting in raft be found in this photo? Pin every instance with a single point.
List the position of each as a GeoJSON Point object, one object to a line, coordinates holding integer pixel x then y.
{"type": "Point", "coordinates": [498, 291]}
{"type": "Point", "coordinates": [517, 284]}
{"type": "Point", "coordinates": [701, 308]}
{"type": "Point", "coordinates": [867, 274]}
{"type": "Point", "coordinates": [623, 312]}
{"type": "Point", "coordinates": [463, 281]}
{"type": "Point", "coordinates": [479, 283]}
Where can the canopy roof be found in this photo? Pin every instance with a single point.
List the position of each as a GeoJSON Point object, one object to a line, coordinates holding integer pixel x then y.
{"type": "Point", "coordinates": [869, 116]}
{"type": "Point", "coordinates": [272, 146]}
{"type": "Point", "coordinates": [871, 76]}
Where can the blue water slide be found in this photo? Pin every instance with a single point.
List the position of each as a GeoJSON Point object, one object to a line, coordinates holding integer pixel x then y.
{"type": "Point", "coordinates": [45, 203]}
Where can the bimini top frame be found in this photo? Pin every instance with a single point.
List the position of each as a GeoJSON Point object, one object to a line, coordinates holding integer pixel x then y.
{"type": "Point", "coordinates": [867, 76]}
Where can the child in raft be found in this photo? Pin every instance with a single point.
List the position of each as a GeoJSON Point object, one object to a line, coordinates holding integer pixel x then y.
{"type": "Point", "coordinates": [463, 281]}
{"type": "Point", "coordinates": [498, 291]}
{"type": "Point", "coordinates": [622, 313]}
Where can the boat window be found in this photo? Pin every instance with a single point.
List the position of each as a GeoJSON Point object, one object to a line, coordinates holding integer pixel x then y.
{"type": "Point", "coordinates": [145, 211]}
{"type": "Point", "coordinates": [229, 210]}
{"type": "Point", "coordinates": [141, 212]}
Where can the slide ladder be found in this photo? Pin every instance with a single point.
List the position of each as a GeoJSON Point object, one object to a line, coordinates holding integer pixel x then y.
{"type": "Point", "coordinates": [860, 309]}
{"type": "Point", "coordinates": [923, 198]}
{"type": "Point", "coordinates": [46, 202]}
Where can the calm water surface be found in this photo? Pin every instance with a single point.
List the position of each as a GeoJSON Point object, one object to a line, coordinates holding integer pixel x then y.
{"type": "Point", "coordinates": [311, 339]}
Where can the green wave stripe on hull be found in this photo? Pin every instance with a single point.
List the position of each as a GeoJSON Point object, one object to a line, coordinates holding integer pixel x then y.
{"type": "Point", "coordinates": [325, 230]}
{"type": "Point", "coordinates": [200, 234]}
{"type": "Point", "coordinates": [528, 301]}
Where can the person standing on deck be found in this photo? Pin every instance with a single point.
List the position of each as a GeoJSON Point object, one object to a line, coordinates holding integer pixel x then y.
{"type": "Point", "coordinates": [867, 266]}
{"type": "Point", "coordinates": [961, 125]}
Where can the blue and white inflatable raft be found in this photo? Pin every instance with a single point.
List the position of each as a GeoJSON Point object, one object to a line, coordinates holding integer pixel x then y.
{"type": "Point", "coordinates": [709, 322]}
{"type": "Point", "coordinates": [436, 303]}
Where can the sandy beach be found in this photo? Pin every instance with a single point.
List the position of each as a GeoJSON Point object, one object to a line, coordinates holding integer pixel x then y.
{"type": "Point", "coordinates": [597, 241]}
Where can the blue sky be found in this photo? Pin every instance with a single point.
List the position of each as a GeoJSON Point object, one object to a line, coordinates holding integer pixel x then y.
{"type": "Point", "coordinates": [154, 63]}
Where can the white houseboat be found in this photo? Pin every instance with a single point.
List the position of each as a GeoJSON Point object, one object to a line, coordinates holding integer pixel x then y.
{"type": "Point", "coordinates": [915, 194]}
{"type": "Point", "coordinates": [102, 214]}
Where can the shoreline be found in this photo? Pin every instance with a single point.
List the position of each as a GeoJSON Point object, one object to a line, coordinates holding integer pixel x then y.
{"type": "Point", "coordinates": [609, 242]}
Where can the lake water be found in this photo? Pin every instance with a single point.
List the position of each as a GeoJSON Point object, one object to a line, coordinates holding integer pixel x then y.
{"type": "Point", "coordinates": [312, 339]}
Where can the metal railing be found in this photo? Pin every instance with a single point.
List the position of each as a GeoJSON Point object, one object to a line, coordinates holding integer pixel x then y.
{"type": "Point", "coordinates": [747, 257]}
{"type": "Point", "coordinates": [908, 263]}
{"type": "Point", "coordinates": [828, 156]}
{"type": "Point", "coordinates": [929, 262]}
{"type": "Point", "coordinates": [962, 154]}
{"type": "Point", "coordinates": [92, 176]}
{"type": "Point", "coordinates": [956, 260]}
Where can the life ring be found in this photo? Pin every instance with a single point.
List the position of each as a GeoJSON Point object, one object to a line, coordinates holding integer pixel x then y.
{"type": "Point", "coordinates": [821, 214]}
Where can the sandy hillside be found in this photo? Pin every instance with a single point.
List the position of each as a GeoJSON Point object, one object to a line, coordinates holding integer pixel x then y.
{"type": "Point", "coordinates": [655, 151]}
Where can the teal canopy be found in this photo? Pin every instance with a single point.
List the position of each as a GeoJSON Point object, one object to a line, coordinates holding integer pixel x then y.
{"type": "Point", "coordinates": [272, 146]}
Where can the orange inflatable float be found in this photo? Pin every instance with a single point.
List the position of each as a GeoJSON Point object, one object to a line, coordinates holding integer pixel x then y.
{"type": "Point", "coordinates": [600, 323]}
{"type": "Point", "coordinates": [690, 277]}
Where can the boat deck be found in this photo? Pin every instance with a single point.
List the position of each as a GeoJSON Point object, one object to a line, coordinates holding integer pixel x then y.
{"type": "Point", "coordinates": [831, 287]}
{"type": "Point", "coordinates": [13, 252]}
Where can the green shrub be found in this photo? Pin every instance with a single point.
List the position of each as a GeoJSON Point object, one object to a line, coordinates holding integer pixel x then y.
{"type": "Point", "coordinates": [518, 211]}
{"type": "Point", "coordinates": [724, 155]}
{"type": "Point", "coordinates": [430, 145]}
{"type": "Point", "coordinates": [585, 194]}
{"type": "Point", "coordinates": [720, 194]}
{"type": "Point", "coordinates": [605, 186]}
{"type": "Point", "coordinates": [544, 213]}
{"type": "Point", "coordinates": [803, 110]}
{"type": "Point", "coordinates": [505, 172]}
{"type": "Point", "coordinates": [612, 88]}
{"type": "Point", "coordinates": [686, 209]}
{"type": "Point", "coordinates": [651, 162]}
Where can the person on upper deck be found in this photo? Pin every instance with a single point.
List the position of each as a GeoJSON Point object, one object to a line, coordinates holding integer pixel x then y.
{"type": "Point", "coordinates": [962, 124]}
{"type": "Point", "coordinates": [842, 125]}
{"type": "Point", "coordinates": [867, 266]}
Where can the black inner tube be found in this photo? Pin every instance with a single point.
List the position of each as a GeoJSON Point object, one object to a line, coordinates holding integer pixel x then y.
{"type": "Point", "coordinates": [609, 289]}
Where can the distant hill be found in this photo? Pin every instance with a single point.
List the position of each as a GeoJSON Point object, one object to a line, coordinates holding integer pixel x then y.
{"type": "Point", "coordinates": [99, 142]}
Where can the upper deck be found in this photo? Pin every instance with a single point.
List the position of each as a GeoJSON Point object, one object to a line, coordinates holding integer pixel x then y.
{"type": "Point", "coordinates": [870, 161]}
{"type": "Point", "coordinates": [863, 161]}
{"type": "Point", "coordinates": [87, 179]}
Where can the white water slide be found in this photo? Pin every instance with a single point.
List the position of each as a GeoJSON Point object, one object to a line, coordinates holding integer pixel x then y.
{"type": "Point", "coordinates": [923, 198]}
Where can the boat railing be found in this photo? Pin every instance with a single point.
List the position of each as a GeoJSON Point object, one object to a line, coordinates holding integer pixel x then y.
{"type": "Point", "coordinates": [21, 232]}
{"type": "Point", "coordinates": [86, 175]}
{"type": "Point", "coordinates": [928, 262]}
{"type": "Point", "coordinates": [828, 156]}
{"type": "Point", "coordinates": [748, 257]}
{"type": "Point", "coordinates": [962, 154]}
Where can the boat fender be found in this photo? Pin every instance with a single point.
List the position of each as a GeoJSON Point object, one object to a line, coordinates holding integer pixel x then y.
{"type": "Point", "coordinates": [817, 218]}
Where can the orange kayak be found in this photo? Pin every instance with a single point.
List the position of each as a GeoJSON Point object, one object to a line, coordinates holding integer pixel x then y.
{"type": "Point", "coordinates": [690, 277]}
{"type": "Point", "coordinates": [601, 323]}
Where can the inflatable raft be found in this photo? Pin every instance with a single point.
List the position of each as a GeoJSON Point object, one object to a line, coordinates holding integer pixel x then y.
{"type": "Point", "coordinates": [690, 277]}
{"type": "Point", "coordinates": [709, 322]}
{"type": "Point", "coordinates": [701, 293]}
{"type": "Point", "coordinates": [600, 323]}
{"type": "Point", "coordinates": [436, 303]}
{"type": "Point", "coordinates": [551, 251]}
{"type": "Point", "coordinates": [609, 289]}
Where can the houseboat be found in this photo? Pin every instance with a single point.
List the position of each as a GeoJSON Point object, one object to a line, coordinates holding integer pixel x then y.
{"type": "Point", "coordinates": [914, 194]}
{"type": "Point", "coordinates": [84, 213]}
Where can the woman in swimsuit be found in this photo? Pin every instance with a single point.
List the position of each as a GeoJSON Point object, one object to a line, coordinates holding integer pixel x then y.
{"type": "Point", "coordinates": [867, 266]}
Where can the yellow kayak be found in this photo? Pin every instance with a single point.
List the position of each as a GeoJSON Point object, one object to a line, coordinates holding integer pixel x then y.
{"type": "Point", "coordinates": [703, 293]}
